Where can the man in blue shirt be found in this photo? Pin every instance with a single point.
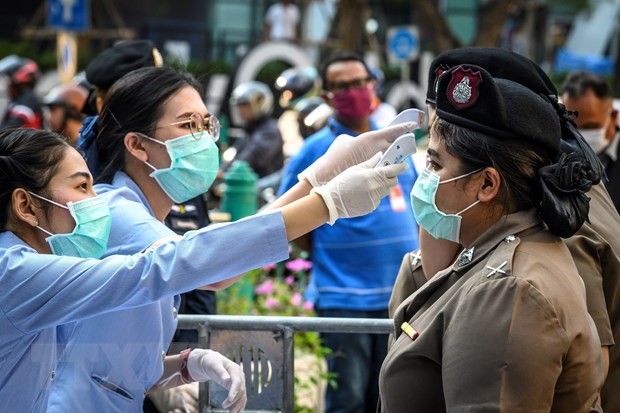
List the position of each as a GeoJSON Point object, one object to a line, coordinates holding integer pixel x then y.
{"type": "Point", "coordinates": [355, 261]}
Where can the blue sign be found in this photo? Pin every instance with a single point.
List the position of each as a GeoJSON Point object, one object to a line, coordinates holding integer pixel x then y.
{"type": "Point", "coordinates": [403, 43]}
{"type": "Point", "coordinates": [70, 15]}
{"type": "Point", "coordinates": [566, 61]}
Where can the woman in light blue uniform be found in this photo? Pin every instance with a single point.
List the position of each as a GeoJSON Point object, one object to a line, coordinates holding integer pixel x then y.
{"type": "Point", "coordinates": [156, 147]}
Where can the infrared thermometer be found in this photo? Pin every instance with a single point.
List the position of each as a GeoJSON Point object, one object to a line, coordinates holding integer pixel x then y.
{"type": "Point", "coordinates": [409, 115]}
{"type": "Point", "coordinates": [399, 150]}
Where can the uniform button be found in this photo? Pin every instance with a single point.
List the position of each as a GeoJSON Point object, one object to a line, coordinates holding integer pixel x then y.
{"type": "Point", "coordinates": [163, 356]}
{"type": "Point", "coordinates": [53, 375]}
{"type": "Point", "coordinates": [509, 239]}
{"type": "Point", "coordinates": [175, 312]}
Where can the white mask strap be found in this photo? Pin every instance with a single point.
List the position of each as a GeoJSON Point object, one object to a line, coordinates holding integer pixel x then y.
{"type": "Point", "coordinates": [149, 138]}
{"type": "Point", "coordinates": [48, 200]}
{"type": "Point", "coordinates": [460, 176]}
{"type": "Point", "coordinates": [469, 207]}
{"type": "Point", "coordinates": [44, 230]}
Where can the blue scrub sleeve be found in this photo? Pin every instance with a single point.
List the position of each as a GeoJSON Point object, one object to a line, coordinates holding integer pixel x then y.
{"type": "Point", "coordinates": [42, 290]}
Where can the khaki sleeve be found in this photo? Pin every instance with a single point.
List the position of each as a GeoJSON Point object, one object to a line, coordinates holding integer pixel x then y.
{"type": "Point", "coordinates": [585, 250]}
{"type": "Point", "coordinates": [503, 350]}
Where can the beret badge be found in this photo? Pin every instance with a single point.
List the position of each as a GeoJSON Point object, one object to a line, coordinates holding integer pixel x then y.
{"type": "Point", "coordinates": [463, 88]}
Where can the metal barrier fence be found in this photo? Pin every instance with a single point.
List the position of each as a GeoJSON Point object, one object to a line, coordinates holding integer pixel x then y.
{"type": "Point", "coordinates": [265, 347]}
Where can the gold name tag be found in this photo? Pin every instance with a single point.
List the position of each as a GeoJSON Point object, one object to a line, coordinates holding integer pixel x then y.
{"type": "Point", "coordinates": [410, 331]}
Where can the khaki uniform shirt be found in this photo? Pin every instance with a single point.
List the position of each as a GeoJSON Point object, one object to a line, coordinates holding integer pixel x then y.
{"type": "Point", "coordinates": [596, 251]}
{"type": "Point", "coordinates": [505, 328]}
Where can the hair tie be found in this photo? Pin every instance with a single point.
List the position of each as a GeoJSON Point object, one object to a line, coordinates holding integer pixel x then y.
{"type": "Point", "coordinates": [564, 207]}
{"type": "Point", "coordinates": [571, 173]}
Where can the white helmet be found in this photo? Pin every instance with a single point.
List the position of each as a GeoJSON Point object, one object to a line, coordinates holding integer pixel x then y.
{"type": "Point", "coordinates": [257, 95]}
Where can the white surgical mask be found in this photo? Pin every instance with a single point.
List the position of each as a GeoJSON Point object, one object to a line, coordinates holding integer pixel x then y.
{"type": "Point", "coordinates": [596, 137]}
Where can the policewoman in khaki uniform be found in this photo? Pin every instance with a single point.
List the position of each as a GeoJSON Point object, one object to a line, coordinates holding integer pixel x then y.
{"type": "Point", "coordinates": [504, 328]}
{"type": "Point", "coordinates": [595, 247]}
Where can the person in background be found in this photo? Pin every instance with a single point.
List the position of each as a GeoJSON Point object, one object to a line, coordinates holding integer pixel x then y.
{"type": "Point", "coordinates": [382, 112]}
{"type": "Point", "coordinates": [261, 146]}
{"type": "Point", "coordinates": [298, 86]}
{"type": "Point", "coordinates": [590, 96]}
{"type": "Point", "coordinates": [504, 327]}
{"type": "Point", "coordinates": [283, 22]}
{"type": "Point", "coordinates": [595, 247]}
{"type": "Point", "coordinates": [65, 105]}
{"type": "Point", "coordinates": [354, 263]}
{"type": "Point", "coordinates": [105, 69]}
{"type": "Point", "coordinates": [25, 108]}
{"type": "Point", "coordinates": [311, 119]}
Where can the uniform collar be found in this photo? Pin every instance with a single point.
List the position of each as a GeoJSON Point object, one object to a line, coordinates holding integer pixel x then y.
{"type": "Point", "coordinates": [508, 226]}
{"type": "Point", "coordinates": [505, 230]}
{"type": "Point", "coordinates": [121, 179]}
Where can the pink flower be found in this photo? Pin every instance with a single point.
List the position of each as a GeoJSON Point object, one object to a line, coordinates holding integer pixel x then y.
{"type": "Point", "coordinates": [298, 264]}
{"type": "Point", "coordinates": [308, 305]}
{"type": "Point", "coordinates": [271, 303]}
{"type": "Point", "coordinates": [296, 299]}
{"type": "Point", "coordinates": [268, 267]}
{"type": "Point", "coordinates": [265, 288]}
{"type": "Point", "coordinates": [290, 280]}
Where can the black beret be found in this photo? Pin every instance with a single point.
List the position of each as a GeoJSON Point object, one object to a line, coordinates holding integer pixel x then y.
{"type": "Point", "coordinates": [468, 96]}
{"type": "Point", "coordinates": [500, 63]}
{"type": "Point", "coordinates": [115, 62]}
{"type": "Point", "coordinates": [504, 64]}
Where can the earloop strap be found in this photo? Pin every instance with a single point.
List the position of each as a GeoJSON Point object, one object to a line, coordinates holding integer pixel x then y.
{"type": "Point", "coordinates": [48, 200]}
{"type": "Point", "coordinates": [469, 207]}
{"type": "Point", "coordinates": [461, 176]}
{"type": "Point", "coordinates": [44, 230]}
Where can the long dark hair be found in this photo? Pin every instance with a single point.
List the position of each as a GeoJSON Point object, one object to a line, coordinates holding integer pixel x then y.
{"type": "Point", "coordinates": [29, 159]}
{"type": "Point", "coordinates": [134, 104]}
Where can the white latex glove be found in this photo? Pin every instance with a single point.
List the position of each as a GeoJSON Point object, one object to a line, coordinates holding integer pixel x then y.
{"type": "Point", "coordinates": [205, 365]}
{"type": "Point", "coordinates": [347, 151]}
{"type": "Point", "coordinates": [358, 190]}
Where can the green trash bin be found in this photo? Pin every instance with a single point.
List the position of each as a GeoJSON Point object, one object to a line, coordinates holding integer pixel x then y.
{"type": "Point", "coordinates": [239, 193]}
{"type": "Point", "coordinates": [240, 199]}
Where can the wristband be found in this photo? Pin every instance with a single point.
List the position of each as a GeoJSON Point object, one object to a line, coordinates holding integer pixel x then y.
{"type": "Point", "coordinates": [185, 376]}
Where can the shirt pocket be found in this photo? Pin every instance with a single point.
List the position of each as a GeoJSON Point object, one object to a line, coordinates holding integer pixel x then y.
{"type": "Point", "coordinates": [111, 387]}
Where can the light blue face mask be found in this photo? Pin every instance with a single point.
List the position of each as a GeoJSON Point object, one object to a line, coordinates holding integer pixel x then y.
{"type": "Point", "coordinates": [193, 167]}
{"type": "Point", "coordinates": [435, 222]}
{"type": "Point", "coordinates": [89, 238]}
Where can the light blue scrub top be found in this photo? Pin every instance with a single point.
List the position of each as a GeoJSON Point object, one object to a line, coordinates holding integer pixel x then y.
{"type": "Point", "coordinates": [40, 291]}
{"type": "Point", "coordinates": [111, 360]}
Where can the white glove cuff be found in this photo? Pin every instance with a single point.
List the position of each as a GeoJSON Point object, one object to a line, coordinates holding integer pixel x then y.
{"type": "Point", "coordinates": [309, 175]}
{"type": "Point", "coordinates": [194, 367]}
{"type": "Point", "coordinates": [329, 203]}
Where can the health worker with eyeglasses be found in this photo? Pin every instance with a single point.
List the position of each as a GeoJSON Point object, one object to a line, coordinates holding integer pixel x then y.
{"type": "Point", "coordinates": [155, 147]}
{"type": "Point", "coordinates": [355, 262]}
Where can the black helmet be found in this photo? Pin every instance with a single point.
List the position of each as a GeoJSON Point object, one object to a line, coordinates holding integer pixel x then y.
{"type": "Point", "coordinates": [20, 70]}
{"type": "Point", "coordinates": [297, 83]}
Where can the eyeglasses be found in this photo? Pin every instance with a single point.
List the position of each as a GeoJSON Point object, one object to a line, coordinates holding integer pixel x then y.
{"type": "Point", "coordinates": [343, 86]}
{"type": "Point", "coordinates": [197, 124]}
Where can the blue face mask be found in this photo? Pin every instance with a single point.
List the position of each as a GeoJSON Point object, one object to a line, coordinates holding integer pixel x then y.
{"type": "Point", "coordinates": [435, 222]}
{"type": "Point", "coordinates": [89, 238]}
{"type": "Point", "coordinates": [193, 167]}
